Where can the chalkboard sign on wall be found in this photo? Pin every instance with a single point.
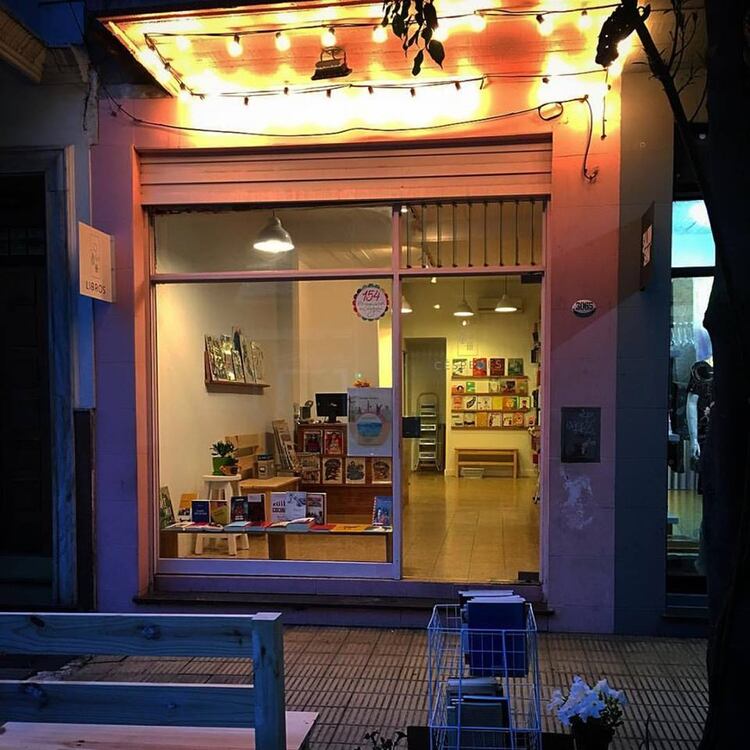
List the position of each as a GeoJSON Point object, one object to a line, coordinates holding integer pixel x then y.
{"type": "Point", "coordinates": [581, 434]}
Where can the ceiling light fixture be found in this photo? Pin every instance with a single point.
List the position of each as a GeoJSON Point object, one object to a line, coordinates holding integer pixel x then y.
{"type": "Point", "coordinates": [234, 46]}
{"type": "Point", "coordinates": [282, 41]}
{"type": "Point", "coordinates": [405, 306]}
{"type": "Point", "coordinates": [433, 280]}
{"type": "Point", "coordinates": [505, 304]}
{"type": "Point", "coordinates": [464, 308]}
{"type": "Point", "coordinates": [273, 238]}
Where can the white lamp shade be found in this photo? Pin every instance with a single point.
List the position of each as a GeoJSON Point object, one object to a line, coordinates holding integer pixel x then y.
{"type": "Point", "coordinates": [464, 310]}
{"type": "Point", "coordinates": [405, 306]}
{"type": "Point", "coordinates": [273, 238]}
{"type": "Point", "coordinates": [506, 305]}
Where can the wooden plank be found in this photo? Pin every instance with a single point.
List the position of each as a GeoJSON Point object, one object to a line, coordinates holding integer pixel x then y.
{"type": "Point", "coordinates": [161, 704]}
{"type": "Point", "coordinates": [135, 635]}
{"type": "Point", "coordinates": [107, 737]}
{"type": "Point", "coordinates": [268, 677]}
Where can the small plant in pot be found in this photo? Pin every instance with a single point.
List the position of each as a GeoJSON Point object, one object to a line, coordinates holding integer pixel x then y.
{"type": "Point", "coordinates": [592, 713]}
{"type": "Point", "coordinates": [380, 741]}
{"type": "Point", "coordinates": [223, 460]}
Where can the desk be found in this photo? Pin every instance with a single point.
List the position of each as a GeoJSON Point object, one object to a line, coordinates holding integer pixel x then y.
{"type": "Point", "coordinates": [491, 457]}
{"type": "Point", "coordinates": [267, 486]}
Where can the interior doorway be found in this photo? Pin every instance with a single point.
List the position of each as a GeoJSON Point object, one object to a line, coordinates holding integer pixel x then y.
{"type": "Point", "coordinates": [472, 376]}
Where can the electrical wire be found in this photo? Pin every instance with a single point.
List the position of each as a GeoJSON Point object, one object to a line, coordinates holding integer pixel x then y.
{"type": "Point", "coordinates": [592, 174]}
{"type": "Point", "coordinates": [559, 104]}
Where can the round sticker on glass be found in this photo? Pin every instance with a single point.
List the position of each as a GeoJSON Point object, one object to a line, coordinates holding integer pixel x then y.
{"type": "Point", "coordinates": [370, 302]}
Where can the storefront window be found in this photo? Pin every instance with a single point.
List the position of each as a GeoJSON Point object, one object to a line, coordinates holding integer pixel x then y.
{"type": "Point", "coordinates": [690, 400]}
{"type": "Point", "coordinates": [229, 240]}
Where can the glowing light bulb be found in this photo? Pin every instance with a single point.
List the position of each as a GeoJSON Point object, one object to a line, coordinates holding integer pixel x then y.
{"type": "Point", "coordinates": [615, 69]}
{"type": "Point", "coordinates": [625, 46]}
{"type": "Point", "coordinates": [584, 20]}
{"type": "Point", "coordinates": [282, 42]}
{"type": "Point", "coordinates": [478, 22]}
{"type": "Point", "coordinates": [328, 38]}
{"type": "Point", "coordinates": [433, 280]}
{"type": "Point", "coordinates": [183, 43]}
{"type": "Point", "coordinates": [379, 34]}
{"type": "Point", "coordinates": [440, 33]}
{"type": "Point", "coordinates": [234, 46]}
{"type": "Point", "coordinates": [436, 306]}
{"type": "Point", "coordinates": [184, 94]}
{"type": "Point", "coordinates": [545, 25]}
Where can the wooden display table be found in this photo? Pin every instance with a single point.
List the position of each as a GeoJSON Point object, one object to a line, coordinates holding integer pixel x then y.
{"type": "Point", "coordinates": [487, 457]}
{"type": "Point", "coordinates": [267, 486]}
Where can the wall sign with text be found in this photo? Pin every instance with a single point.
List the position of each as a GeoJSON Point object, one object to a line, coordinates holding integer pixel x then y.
{"type": "Point", "coordinates": [370, 302]}
{"type": "Point", "coordinates": [581, 434]}
{"type": "Point", "coordinates": [583, 308]}
{"type": "Point", "coordinates": [95, 263]}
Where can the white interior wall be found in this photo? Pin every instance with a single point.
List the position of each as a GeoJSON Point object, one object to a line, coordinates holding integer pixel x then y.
{"type": "Point", "coordinates": [486, 335]}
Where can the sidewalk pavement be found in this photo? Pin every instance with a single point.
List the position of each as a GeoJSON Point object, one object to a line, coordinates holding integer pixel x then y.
{"type": "Point", "coordinates": [360, 679]}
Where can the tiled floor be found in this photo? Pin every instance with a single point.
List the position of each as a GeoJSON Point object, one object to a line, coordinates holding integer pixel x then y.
{"type": "Point", "coordinates": [470, 530]}
{"type": "Point", "coordinates": [362, 679]}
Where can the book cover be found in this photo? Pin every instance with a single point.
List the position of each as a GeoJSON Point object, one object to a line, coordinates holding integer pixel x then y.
{"type": "Point", "coordinates": [508, 386]}
{"type": "Point", "coordinates": [484, 403]}
{"type": "Point", "coordinates": [493, 385]}
{"type": "Point", "coordinates": [348, 528]}
{"type": "Point", "coordinates": [382, 511]}
{"type": "Point", "coordinates": [471, 386]}
{"type": "Point", "coordinates": [507, 420]}
{"type": "Point", "coordinates": [497, 403]}
{"type": "Point", "coordinates": [482, 419]}
{"type": "Point", "coordinates": [522, 387]}
{"type": "Point", "coordinates": [470, 403]}
{"type": "Point", "coordinates": [515, 366]}
{"type": "Point", "coordinates": [322, 527]}
{"type": "Point", "coordinates": [299, 525]}
{"type": "Point", "coordinates": [219, 510]}
{"type": "Point", "coordinates": [470, 419]}
{"type": "Point", "coordinates": [510, 403]}
{"type": "Point", "coordinates": [496, 419]}
{"type": "Point", "coordinates": [458, 389]}
{"type": "Point", "coordinates": [185, 506]}
{"type": "Point", "coordinates": [309, 468]}
{"type": "Point", "coordinates": [316, 507]}
{"type": "Point", "coordinates": [278, 506]}
{"type": "Point", "coordinates": [204, 527]}
{"type": "Point", "coordinates": [457, 420]}
{"type": "Point", "coordinates": [355, 470]}
{"type": "Point", "coordinates": [529, 419]}
{"type": "Point", "coordinates": [479, 367]}
{"type": "Point", "coordinates": [240, 526]}
{"type": "Point", "coordinates": [518, 419]}
{"type": "Point", "coordinates": [497, 367]}
{"type": "Point", "coordinates": [333, 471]}
{"type": "Point", "coordinates": [524, 402]}
{"type": "Point", "coordinates": [382, 470]}
{"type": "Point", "coordinates": [200, 511]}
{"type": "Point", "coordinates": [333, 442]}
{"type": "Point", "coordinates": [312, 441]}
{"type": "Point", "coordinates": [376, 528]}
{"type": "Point", "coordinates": [166, 511]}
{"type": "Point", "coordinates": [296, 505]}
{"type": "Point", "coordinates": [460, 368]}
{"type": "Point", "coordinates": [238, 509]}
{"type": "Point", "coordinates": [256, 507]}
{"type": "Point", "coordinates": [277, 525]}
{"type": "Point", "coordinates": [458, 403]}
{"type": "Point", "coordinates": [262, 526]}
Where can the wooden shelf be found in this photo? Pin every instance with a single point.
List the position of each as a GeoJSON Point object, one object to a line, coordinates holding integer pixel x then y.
{"type": "Point", "coordinates": [507, 429]}
{"type": "Point", "coordinates": [489, 377]}
{"type": "Point", "coordinates": [235, 387]}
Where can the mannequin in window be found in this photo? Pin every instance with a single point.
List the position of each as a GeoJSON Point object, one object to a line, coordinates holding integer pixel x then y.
{"type": "Point", "coordinates": [699, 400]}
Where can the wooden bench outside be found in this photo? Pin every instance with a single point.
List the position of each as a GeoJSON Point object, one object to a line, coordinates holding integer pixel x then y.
{"type": "Point", "coordinates": [156, 716]}
{"type": "Point", "coordinates": [490, 457]}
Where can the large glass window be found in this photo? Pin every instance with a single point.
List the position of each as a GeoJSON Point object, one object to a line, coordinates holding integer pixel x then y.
{"type": "Point", "coordinates": [690, 401]}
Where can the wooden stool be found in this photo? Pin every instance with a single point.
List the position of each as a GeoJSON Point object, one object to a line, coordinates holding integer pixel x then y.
{"type": "Point", "coordinates": [221, 488]}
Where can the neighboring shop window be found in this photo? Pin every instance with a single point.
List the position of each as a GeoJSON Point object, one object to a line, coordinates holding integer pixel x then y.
{"type": "Point", "coordinates": [690, 401]}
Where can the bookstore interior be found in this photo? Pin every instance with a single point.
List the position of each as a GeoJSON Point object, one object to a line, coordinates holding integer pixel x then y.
{"type": "Point", "coordinates": [276, 413]}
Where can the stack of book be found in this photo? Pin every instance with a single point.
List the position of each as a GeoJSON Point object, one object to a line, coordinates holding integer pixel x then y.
{"type": "Point", "coordinates": [477, 714]}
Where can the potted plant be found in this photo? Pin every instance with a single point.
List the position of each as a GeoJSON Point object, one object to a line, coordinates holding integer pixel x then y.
{"type": "Point", "coordinates": [379, 741]}
{"type": "Point", "coordinates": [223, 460]}
{"type": "Point", "coordinates": [592, 713]}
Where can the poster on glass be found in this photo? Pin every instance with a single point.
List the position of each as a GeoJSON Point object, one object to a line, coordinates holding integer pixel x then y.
{"type": "Point", "coordinates": [370, 421]}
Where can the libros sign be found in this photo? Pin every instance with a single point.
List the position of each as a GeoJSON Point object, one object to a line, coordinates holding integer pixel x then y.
{"type": "Point", "coordinates": [95, 266]}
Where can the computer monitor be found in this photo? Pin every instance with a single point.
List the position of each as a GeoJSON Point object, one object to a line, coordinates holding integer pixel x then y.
{"type": "Point", "coordinates": [330, 405]}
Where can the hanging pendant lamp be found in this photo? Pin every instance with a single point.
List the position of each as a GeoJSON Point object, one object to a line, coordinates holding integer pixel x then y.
{"type": "Point", "coordinates": [273, 238]}
{"type": "Point", "coordinates": [506, 304]}
{"type": "Point", "coordinates": [464, 308]}
{"type": "Point", "coordinates": [405, 306]}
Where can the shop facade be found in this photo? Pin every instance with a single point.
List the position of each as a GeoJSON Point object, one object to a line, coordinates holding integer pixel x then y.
{"type": "Point", "coordinates": [526, 202]}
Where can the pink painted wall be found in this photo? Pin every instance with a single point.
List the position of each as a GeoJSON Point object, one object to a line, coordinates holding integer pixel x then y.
{"type": "Point", "coordinates": [578, 512]}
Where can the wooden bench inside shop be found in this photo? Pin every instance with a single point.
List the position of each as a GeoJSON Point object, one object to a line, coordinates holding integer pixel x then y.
{"type": "Point", "coordinates": [487, 458]}
{"type": "Point", "coordinates": [58, 715]}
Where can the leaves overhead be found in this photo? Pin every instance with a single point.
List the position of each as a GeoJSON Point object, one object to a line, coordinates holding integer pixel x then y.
{"type": "Point", "coordinates": [414, 23]}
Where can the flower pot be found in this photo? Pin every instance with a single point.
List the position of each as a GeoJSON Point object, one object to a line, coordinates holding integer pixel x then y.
{"type": "Point", "coordinates": [229, 469]}
{"type": "Point", "coordinates": [219, 462]}
{"type": "Point", "coordinates": [591, 735]}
